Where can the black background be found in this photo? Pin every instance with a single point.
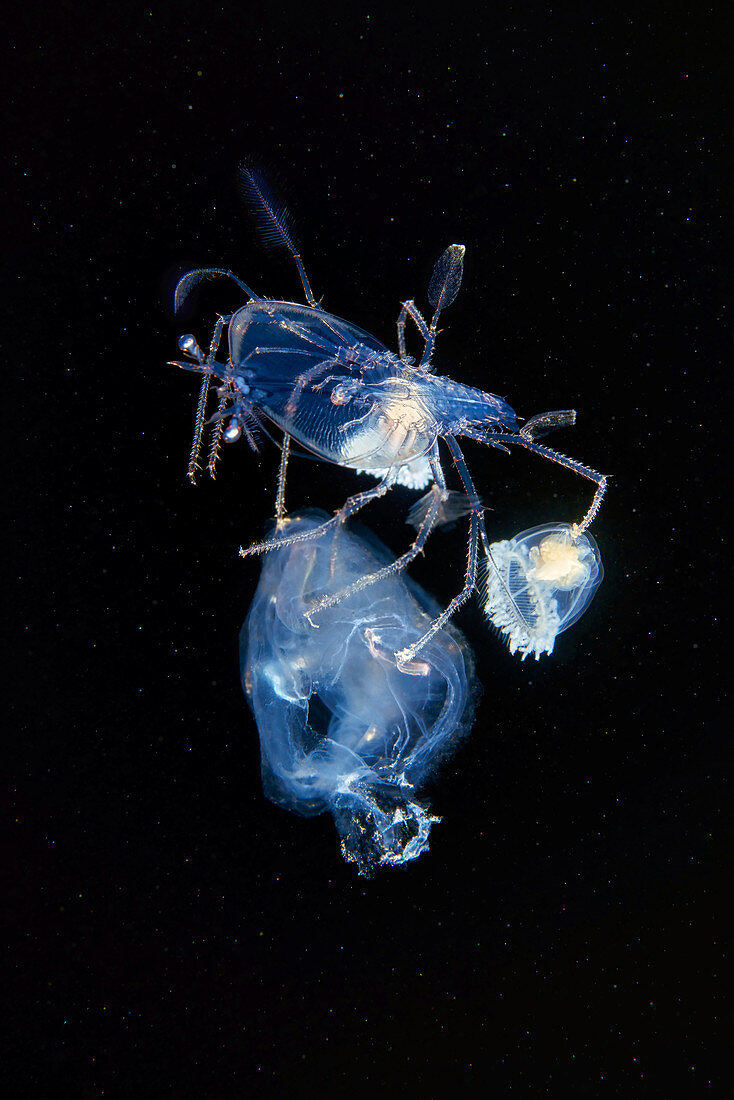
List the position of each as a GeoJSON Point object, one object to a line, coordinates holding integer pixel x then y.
{"type": "Point", "coordinates": [173, 933]}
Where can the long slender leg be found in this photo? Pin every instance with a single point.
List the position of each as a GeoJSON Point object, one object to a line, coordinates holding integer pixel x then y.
{"type": "Point", "coordinates": [405, 656]}
{"type": "Point", "coordinates": [195, 451]}
{"type": "Point", "coordinates": [410, 310]}
{"type": "Point", "coordinates": [463, 471]}
{"type": "Point", "coordinates": [401, 563]}
{"type": "Point", "coordinates": [302, 381]}
{"type": "Point", "coordinates": [280, 496]}
{"type": "Point", "coordinates": [301, 331]}
{"type": "Point", "coordinates": [349, 508]}
{"type": "Point", "coordinates": [562, 460]}
{"type": "Point", "coordinates": [217, 432]}
{"type": "Point", "coordinates": [275, 351]}
{"type": "Point", "coordinates": [476, 527]}
{"type": "Point", "coordinates": [296, 329]}
{"type": "Point", "coordinates": [204, 397]}
{"type": "Point", "coordinates": [469, 486]}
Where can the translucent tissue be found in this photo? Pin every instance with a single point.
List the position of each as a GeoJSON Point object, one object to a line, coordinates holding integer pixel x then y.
{"type": "Point", "coordinates": [342, 727]}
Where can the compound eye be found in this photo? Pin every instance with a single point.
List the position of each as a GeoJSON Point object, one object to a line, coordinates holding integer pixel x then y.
{"type": "Point", "coordinates": [233, 431]}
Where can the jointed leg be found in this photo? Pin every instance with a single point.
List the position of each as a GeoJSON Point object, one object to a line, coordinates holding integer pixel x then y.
{"type": "Point", "coordinates": [303, 380]}
{"type": "Point", "coordinates": [466, 478]}
{"type": "Point", "coordinates": [280, 495]}
{"type": "Point", "coordinates": [195, 451]}
{"type": "Point", "coordinates": [600, 480]}
{"type": "Point", "coordinates": [401, 563]}
{"type": "Point", "coordinates": [204, 397]}
{"type": "Point", "coordinates": [410, 310]}
{"type": "Point", "coordinates": [217, 431]}
{"type": "Point", "coordinates": [405, 656]}
{"type": "Point", "coordinates": [463, 471]}
{"type": "Point", "coordinates": [476, 525]}
{"type": "Point", "coordinates": [349, 508]}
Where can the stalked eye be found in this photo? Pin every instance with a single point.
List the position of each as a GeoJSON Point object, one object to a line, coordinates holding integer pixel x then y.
{"type": "Point", "coordinates": [187, 343]}
{"type": "Point", "coordinates": [233, 431]}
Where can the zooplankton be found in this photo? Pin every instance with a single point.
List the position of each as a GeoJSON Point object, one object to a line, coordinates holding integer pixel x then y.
{"type": "Point", "coordinates": [347, 399]}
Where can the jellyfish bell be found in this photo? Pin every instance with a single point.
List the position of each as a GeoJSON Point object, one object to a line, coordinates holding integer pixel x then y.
{"type": "Point", "coordinates": [537, 584]}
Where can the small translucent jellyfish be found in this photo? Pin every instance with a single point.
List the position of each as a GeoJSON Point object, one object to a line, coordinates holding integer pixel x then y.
{"type": "Point", "coordinates": [543, 580]}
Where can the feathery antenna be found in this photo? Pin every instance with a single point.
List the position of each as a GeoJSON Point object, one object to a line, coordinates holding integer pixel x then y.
{"type": "Point", "coordinates": [270, 212]}
{"type": "Point", "coordinates": [273, 219]}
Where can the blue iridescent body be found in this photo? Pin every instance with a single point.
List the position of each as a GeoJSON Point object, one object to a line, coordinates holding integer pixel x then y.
{"type": "Point", "coordinates": [341, 393]}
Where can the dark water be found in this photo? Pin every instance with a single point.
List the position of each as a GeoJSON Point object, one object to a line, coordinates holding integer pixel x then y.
{"type": "Point", "coordinates": [173, 932]}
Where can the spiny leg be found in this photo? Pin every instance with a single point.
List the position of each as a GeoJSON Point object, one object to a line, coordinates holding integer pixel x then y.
{"type": "Point", "coordinates": [217, 432]}
{"type": "Point", "coordinates": [280, 495]}
{"type": "Point", "coordinates": [405, 656]}
{"type": "Point", "coordinates": [206, 366]}
{"type": "Point", "coordinates": [600, 480]}
{"type": "Point", "coordinates": [476, 526]}
{"type": "Point", "coordinates": [544, 420]}
{"type": "Point", "coordinates": [195, 451]}
{"type": "Point", "coordinates": [349, 508]}
{"type": "Point", "coordinates": [340, 337]}
{"type": "Point", "coordinates": [295, 328]}
{"type": "Point", "coordinates": [466, 479]}
{"type": "Point", "coordinates": [594, 507]}
{"type": "Point", "coordinates": [410, 309]}
{"type": "Point", "coordinates": [274, 351]}
{"type": "Point", "coordinates": [302, 381]}
{"type": "Point", "coordinates": [401, 563]}
{"type": "Point", "coordinates": [463, 472]}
